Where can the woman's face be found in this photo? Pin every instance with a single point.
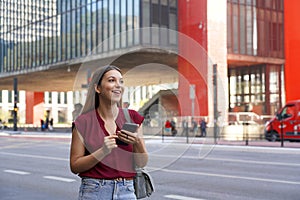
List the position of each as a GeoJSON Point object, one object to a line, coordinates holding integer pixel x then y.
{"type": "Point", "coordinates": [111, 87]}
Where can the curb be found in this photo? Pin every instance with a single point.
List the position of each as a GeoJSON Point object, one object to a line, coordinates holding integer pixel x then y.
{"type": "Point", "coordinates": [153, 138]}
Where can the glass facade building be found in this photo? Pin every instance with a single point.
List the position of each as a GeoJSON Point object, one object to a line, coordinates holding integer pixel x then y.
{"type": "Point", "coordinates": [255, 29]}
{"type": "Point", "coordinates": [35, 33]}
{"type": "Point", "coordinates": [43, 33]}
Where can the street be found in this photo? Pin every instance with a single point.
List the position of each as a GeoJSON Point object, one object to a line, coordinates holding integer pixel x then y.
{"type": "Point", "coordinates": [38, 168]}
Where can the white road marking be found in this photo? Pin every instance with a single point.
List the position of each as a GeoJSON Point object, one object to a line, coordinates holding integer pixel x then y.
{"type": "Point", "coordinates": [34, 156]}
{"type": "Point", "coordinates": [171, 196]}
{"type": "Point", "coordinates": [167, 156]}
{"type": "Point", "coordinates": [16, 172]}
{"type": "Point", "coordinates": [230, 160]}
{"type": "Point", "coordinates": [59, 179]}
{"type": "Point", "coordinates": [227, 176]}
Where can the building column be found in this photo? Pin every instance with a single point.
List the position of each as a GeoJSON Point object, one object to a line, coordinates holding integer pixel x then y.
{"type": "Point", "coordinates": [34, 107]}
{"type": "Point", "coordinates": [192, 57]}
{"type": "Point", "coordinates": [217, 54]}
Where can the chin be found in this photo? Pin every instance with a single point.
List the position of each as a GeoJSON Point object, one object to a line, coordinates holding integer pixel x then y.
{"type": "Point", "coordinates": [114, 101]}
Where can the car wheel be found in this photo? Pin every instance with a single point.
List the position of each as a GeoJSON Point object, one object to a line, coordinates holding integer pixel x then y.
{"type": "Point", "coordinates": [274, 137]}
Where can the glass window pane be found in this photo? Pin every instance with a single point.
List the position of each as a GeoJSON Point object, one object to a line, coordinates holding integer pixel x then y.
{"type": "Point", "coordinates": [106, 26]}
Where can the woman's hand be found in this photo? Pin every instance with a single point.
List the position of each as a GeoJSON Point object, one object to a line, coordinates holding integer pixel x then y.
{"type": "Point", "coordinates": [109, 144]}
{"type": "Point", "coordinates": [128, 137]}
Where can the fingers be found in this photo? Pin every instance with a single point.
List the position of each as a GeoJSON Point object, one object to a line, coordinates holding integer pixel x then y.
{"type": "Point", "coordinates": [127, 136]}
{"type": "Point", "coordinates": [109, 143]}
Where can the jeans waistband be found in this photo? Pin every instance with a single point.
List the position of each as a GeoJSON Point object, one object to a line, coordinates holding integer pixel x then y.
{"type": "Point", "coordinates": [119, 179]}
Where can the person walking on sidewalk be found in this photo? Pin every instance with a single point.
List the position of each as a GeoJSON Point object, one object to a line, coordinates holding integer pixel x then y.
{"type": "Point", "coordinates": [102, 154]}
{"type": "Point", "coordinates": [203, 127]}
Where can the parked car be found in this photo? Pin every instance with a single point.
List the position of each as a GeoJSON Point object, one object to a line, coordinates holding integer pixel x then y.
{"type": "Point", "coordinates": [243, 126]}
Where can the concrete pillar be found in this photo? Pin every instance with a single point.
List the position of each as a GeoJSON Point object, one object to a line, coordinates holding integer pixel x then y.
{"type": "Point", "coordinates": [217, 54]}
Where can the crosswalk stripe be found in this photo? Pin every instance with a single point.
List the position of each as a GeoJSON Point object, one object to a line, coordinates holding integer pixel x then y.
{"type": "Point", "coordinates": [178, 197]}
{"type": "Point", "coordinates": [16, 172]}
{"type": "Point", "coordinates": [59, 179]}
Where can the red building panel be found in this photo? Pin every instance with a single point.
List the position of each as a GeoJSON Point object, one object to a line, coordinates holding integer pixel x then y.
{"type": "Point", "coordinates": [292, 48]}
{"type": "Point", "coordinates": [33, 100]}
{"type": "Point", "coordinates": [192, 59]}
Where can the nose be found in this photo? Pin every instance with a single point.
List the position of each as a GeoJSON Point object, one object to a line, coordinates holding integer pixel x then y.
{"type": "Point", "coordinates": [119, 83]}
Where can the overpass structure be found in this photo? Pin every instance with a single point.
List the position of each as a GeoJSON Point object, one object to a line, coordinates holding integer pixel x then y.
{"type": "Point", "coordinates": [140, 65]}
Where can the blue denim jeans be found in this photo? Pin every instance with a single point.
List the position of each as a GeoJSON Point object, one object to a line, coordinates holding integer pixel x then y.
{"type": "Point", "coordinates": [100, 189]}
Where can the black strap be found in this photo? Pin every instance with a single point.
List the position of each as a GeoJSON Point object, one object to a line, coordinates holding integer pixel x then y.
{"type": "Point", "coordinates": [126, 114]}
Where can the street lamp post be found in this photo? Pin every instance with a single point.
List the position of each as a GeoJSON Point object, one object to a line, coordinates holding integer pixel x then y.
{"type": "Point", "coordinates": [192, 97]}
{"type": "Point", "coordinates": [15, 104]}
{"type": "Point", "coordinates": [281, 130]}
{"type": "Point", "coordinates": [216, 112]}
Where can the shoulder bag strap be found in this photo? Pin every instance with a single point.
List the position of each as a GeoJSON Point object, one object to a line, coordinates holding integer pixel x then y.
{"type": "Point", "coordinates": [126, 114]}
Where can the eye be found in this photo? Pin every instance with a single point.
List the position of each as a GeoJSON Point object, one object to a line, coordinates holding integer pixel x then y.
{"type": "Point", "coordinates": [111, 80]}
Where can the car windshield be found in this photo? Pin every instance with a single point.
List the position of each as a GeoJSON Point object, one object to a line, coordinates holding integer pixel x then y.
{"type": "Point", "coordinates": [288, 111]}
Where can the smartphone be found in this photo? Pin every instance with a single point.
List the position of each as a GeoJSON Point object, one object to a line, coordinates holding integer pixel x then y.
{"type": "Point", "coordinates": [132, 127]}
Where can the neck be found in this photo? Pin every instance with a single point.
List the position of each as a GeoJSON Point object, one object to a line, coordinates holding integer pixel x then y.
{"type": "Point", "coordinates": [108, 111]}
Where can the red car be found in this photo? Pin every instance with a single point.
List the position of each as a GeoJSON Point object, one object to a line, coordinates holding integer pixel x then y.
{"type": "Point", "coordinates": [285, 124]}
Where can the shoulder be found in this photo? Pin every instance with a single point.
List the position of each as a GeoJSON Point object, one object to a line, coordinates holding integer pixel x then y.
{"type": "Point", "coordinates": [83, 120]}
{"type": "Point", "coordinates": [86, 116]}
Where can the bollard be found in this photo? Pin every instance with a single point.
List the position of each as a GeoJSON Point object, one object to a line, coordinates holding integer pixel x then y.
{"type": "Point", "coordinates": [245, 126]}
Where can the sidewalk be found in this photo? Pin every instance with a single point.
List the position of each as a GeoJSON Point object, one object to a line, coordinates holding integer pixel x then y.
{"type": "Point", "coordinates": [36, 134]}
{"type": "Point", "coordinates": [66, 135]}
{"type": "Point", "coordinates": [210, 141]}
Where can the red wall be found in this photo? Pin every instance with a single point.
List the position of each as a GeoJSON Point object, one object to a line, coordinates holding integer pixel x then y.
{"type": "Point", "coordinates": [32, 100]}
{"type": "Point", "coordinates": [292, 48]}
{"type": "Point", "coordinates": [192, 58]}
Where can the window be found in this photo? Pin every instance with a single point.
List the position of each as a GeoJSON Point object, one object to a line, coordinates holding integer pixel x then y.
{"type": "Point", "coordinates": [255, 29]}
{"type": "Point", "coordinates": [50, 97]}
{"type": "Point", "coordinates": [65, 98]}
{"type": "Point", "coordinates": [246, 87]}
{"type": "Point", "coordinates": [288, 111]}
{"type": "Point", "coordinates": [10, 96]}
{"type": "Point", "coordinates": [59, 97]}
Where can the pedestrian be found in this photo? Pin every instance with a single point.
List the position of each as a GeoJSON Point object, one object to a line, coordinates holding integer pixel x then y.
{"type": "Point", "coordinates": [194, 126]}
{"type": "Point", "coordinates": [173, 128]}
{"type": "Point", "coordinates": [101, 154]}
{"type": "Point", "coordinates": [168, 127]}
{"type": "Point", "coordinates": [45, 124]}
{"type": "Point", "coordinates": [184, 127]}
{"type": "Point", "coordinates": [50, 126]}
{"type": "Point", "coordinates": [76, 111]}
{"type": "Point", "coordinates": [2, 125]}
{"type": "Point", "coordinates": [203, 127]}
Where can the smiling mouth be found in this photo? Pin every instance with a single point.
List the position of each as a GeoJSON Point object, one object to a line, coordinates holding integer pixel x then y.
{"type": "Point", "coordinates": [117, 92]}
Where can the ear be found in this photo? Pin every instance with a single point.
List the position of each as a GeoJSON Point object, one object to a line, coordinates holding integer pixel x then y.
{"type": "Point", "coordinates": [97, 89]}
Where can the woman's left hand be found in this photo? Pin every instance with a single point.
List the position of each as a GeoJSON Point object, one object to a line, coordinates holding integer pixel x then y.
{"type": "Point", "coordinates": [128, 137]}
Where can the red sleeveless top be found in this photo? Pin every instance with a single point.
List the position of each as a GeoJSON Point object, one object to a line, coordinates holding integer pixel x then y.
{"type": "Point", "coordinates": [119, 163]}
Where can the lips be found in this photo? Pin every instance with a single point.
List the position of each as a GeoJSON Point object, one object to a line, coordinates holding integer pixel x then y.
{"type": "Point", "coordinates": [117, 92]}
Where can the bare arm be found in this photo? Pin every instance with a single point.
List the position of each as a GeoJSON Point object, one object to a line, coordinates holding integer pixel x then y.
{"type": "Point", "coordinates": [79, 162]}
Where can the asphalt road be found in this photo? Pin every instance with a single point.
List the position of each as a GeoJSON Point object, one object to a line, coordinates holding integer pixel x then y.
{"type": "Point", "coordinates": [38, 168]}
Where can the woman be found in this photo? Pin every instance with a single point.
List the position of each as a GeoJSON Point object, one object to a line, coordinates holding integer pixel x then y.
{"type": "Point", "coordinates": [104, 156]}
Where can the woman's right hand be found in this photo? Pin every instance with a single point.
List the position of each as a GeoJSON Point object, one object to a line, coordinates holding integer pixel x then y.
{"type": "Point", "coordinates": [109, 144]}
